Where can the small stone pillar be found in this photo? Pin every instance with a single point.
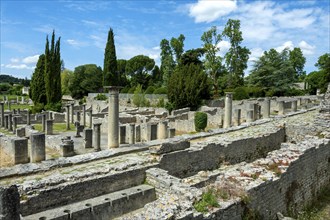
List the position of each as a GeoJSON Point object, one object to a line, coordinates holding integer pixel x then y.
{"type": "Point", "coordinates": [88, 137]}
{"type": "Point", "coordinates": [10, 122]}
{"type": "Point", "coordinates": [77, 125]}
{"type": "Point", "coordinates": [17, 99]}
{"type": "Point", "coordinates": [72, 112]}
{"type": "Point", "coordinates": [38, 149]}
{"type": "Point", "coordinates": [43, 122]}
{"type": "Point", "coordinates": [162, 130]}
{"type": "Point", "coordinates": [294, 106]}
{"type": "Point", "coordinates": [14, 111]}
{"type": "Point", "coordinates": [249, 115]}
{"type": "Point", "coordinates": [22, 100]}
{"type": "Point", "coordinates": [14, 124]}
{"type": "Point", "coordinates": [228, 109]}
{"type": "Point", "coordinates": [49, 126]}
{"type": "Point", "coordinates": [281, 107]}
{"type": "Point", "coordinates": [137, 133]}
{"type": "Point", "coordinates": [28, 117]}
{"type": "Point", "coordinates": [91, 118]}
{"type": "Point", "coordinates": [113, 117]}
{"type": "Point", "coordinates": [131, 137]}
{"type": "Point", "coordinates": [9, 203]}
{"type": "Point", "coordinates": [2, 114]}
{"type": "Point", "coordinates": [6, 121]}
{"type": "Point", "coordinates": [9, 104]}
{"type": "Point", "coordinates": [50, 115]}
{"type": "Point", "coordinates": [78, 116]}
{"type": "Point", "coordinates": [67, 117]}
{"type": "Point", "coordinates": [84, 114]}
{"type": "Point", "coordinates": [122, 134]}
{"type": "Point", "coordinates": [171, 132]}
{"type": "Point", "coordinates": [19, 111]}
{"type": "Point", "coordinates": [318, 92]}
{"type": "Point", "coordinates": [20, 150]}
{"type": "Point", "coordinates": [237, 117]}
{"type": "Point", "coordinates": [266, 108]}
{"type": "Point", "coordinates": [67, 147]}
{"type": "Point", "coordinates": [20, 132]}
{"type": "Point", "coordinates": [97, 136]}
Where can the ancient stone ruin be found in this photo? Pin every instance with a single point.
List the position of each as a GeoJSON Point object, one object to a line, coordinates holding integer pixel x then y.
{"type": "Point", "coordinates": [259, 158]}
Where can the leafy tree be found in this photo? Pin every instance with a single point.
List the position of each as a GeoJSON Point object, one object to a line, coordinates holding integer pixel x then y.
{"type": "Point", "coordinates": [121, 69]}
{"type": "Point", "coordinates": [53, 71]}
{"type": "Point", "coordinates": [273, 71]}
{"type": "Point", "coordinates": [139, 69]}
{"type": "Point", "coordinates": [212, 61]}
{"type": "Point", "coordinates": [298, 61]}
{"type": "Point", "coordinates": [156, 76]}
{"type": "Point", "coordinates": [66, 79]}
{"type": "Point", "coordinates": [167, 61]}
{"type": "Point", "coordinates": [86, 79]}
{"type": "Point", "coordinates": [187, 86]}
{"type": "Point", "coordinates": [320, 79]}
{"type": "Point", "coordinates": [177, 45]}
{"type": "Point", "coordinates": [37, 89]}
{"type": "Point", "coordinates": [193, 57]}
{"type": "Point", "coordinates": [237, 56]}
{"type": "Point", "coordinates": [110, 74]}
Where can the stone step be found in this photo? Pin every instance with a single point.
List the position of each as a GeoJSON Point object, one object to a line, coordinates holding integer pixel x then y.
{"type": "Point", "coordinates": [102, 207]}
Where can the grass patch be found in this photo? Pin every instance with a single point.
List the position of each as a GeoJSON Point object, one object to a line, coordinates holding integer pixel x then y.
{"type": "Point", "coordinates": [209, 200]}
{"type": "Point", "coordinates": [57, 127]}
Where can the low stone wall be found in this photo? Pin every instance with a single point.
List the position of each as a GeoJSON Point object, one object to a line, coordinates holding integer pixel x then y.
{"type": "Point", "coordinates": [210, 155]}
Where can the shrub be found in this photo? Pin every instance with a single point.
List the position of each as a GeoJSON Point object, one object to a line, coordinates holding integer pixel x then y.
{"type": "Point", "coordinates": [150, 90]}
{"type": "Point", "coordinates": [255, 92]}
{"type": "Point", "coordinates": [161, 90]}
{"type": "Point", "coordinates": [208, 200]}
{"type": "Point", "coordinates": [57, 107]}
{"type": "Point", "coordinates": [139, 98]}
{"type": "Point", "coordinates": [38, 107]}
{"type": "Point", "coordinates": [200, 121]}
{"type": "Point", "coordinates": [100, 97]}
{"type": "Point", "coordinates": [240, 93]}
{"type": "Point", "coordinates": [124, 90]}
{"type": "Point", "coordinates": [131, 90]}
{"type": "Point", "coordinates": [160, 103]}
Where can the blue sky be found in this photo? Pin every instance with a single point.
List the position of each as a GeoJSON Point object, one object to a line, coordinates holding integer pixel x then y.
{"type": "Point", "coordinates": [139, 26]}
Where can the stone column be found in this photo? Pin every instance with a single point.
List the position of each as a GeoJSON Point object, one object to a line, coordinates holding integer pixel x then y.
{"type": "Point", "coordinates": [49, 126]}
{"type": "Point", "coordinates": [10, 122]}
{"type": "Point", "coordinates": [19, 111]}
{"type": "Point", "coordinates": [162, 130]}
{"type": "Point", "coordinates": [9, 105]}
{"type": "Point", "coordinates": [68, 117]}
{"type": "Point", "coordinates": [20, 150]}
{"type": "Point", "coordinates": [14, 111]}
{"type": "Point", "coordinates": [67, 147]}
{"type": "Point", "coordinates": [28, 117]}
{"type": "Point", "coordinates": [50, 115]}
{"type": "Point", "coordinates": [137, 133]}
{"type": "Point", "coordinates": [14, 124]}
{"type": "Point", "coordinates": [77, 125]}
{"type": "Point", "coordinates": [2, 114]}
{"type": "Point", "coordinates": [97, 136]}
{"type": "Point", "coordinates": [38, 149]}
{"type": "Point", "coordinates": [266, 108]}
{"type": "Point", "coordinates": [22, 100]}
{"type": "Point", "coordinates": [84, 114]}
{"type": "Point", "coordinates": [88, 137]}
{"type": "Point", "coordinates": [249, 115]}
{"type": "Point", "coordinates": [72, 112]}
{"type": "Point", "coordinates": [228, 109]}
{"type": "Point", "coordinates": [237, 117]}
{"type": "Point", "coordinates": [294, 106]}
{"type": "Point", "coordinates": [122, 134]}
{"type": "Point", "coordinates": [113, 117]}
{"type": "Point", "coordinates": [6, 122]}
{"type": "Point", "coordinates": [43, 122]}
{"type": "Point", "coordinates": [281, 107]}
{"type": "Point", "coordinates": [131, 137]}
{"type": "Point", "coordinates": [78, 116]}
{"type": "Point", "coordinates": [17, 99]}
{"type": "Point", "coordinates": [91, 118]}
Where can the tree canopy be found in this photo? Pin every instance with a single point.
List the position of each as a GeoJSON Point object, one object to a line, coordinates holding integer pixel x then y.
{"type": "Point", "coordinates": [139, 68]}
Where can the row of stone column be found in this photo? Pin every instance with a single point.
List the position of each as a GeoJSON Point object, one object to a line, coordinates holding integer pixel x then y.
{"type": "Point", "coordinates": [70, 117]}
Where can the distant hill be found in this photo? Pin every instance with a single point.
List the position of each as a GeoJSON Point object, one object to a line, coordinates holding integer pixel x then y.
{"type": "Point", "coordinates": [13, 80]}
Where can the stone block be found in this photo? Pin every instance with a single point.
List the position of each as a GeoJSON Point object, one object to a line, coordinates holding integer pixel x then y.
{"type": "Point", "coordinates": [38, 148]}
{"type": "Point", "coordinates": [20, 150]}
{"type": "Point", "coordinates": [170, 147]}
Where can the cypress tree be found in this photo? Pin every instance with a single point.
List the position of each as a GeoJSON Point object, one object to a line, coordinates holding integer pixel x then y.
{"type": "Point", "coordinates": [110, 73]}
{"type": "Point", "coordinates": [38, 90]}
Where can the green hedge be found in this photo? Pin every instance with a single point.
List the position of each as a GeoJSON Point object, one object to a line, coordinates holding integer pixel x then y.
{"type": "Point", "coordinates": [200, 121]}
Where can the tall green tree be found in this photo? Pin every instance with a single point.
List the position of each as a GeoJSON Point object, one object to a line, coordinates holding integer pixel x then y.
{"type": "Point", "coordinates": [212, 62]}
{"type": "Point", "coordinates": [53, 71]}
{"type": "Point", "coordinates": [237, 56]}
{"type": "Point", "coordinates": [321, 78]}
{"type": "Point", "coordinates": [177, 45]}
{"type": "Point", "coordinates": [86, 79]}
{"type": "Point", "coordinates": [167, 61]}
{"type": "Point", "coordinates": [37, 88]}
{"type": "Point", "coordinates": [66, 80]}
{"type": "Point", "coordinates": [110, 74]}
{"type": "Point", "coordinates": [298, 61]}
{"type": "Point", "coordinates": [139, 68]}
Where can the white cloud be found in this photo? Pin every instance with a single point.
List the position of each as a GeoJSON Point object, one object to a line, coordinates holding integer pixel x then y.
{"type": "Point", "coordinates": [211, 10]}
{"type": "Point", "coordinates": [31, 59]}
{"type": "Point", "coordinates": [19, 66]}
{"type": "Point", "coordinates": [256, 53]}
{"type": "Point", "coordinates": [289, 45]}
{"type": "Point", "coordinates": [224, 47]}
{"type": "Point", "coordinates": [297, 18]}
{"type": "Point", "coordinates": [99, 41]}
{"type": "Point", "coordinates": [47, 29]}
{"type": "Point", "coordinates": [156, 48]}
{"type": "Point", "coordinates": [2, 64]}
{"type": "Point", "coordinates": [306, 48]}
{"type": "Point", "coordinates": [14, 60]}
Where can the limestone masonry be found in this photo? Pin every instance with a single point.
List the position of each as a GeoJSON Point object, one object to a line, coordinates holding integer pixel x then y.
{"type": "Point", "coordinates": [261, 158]}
